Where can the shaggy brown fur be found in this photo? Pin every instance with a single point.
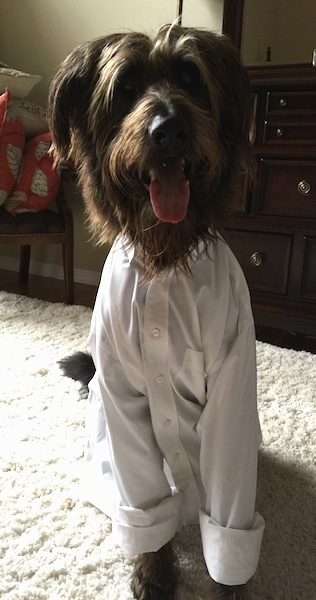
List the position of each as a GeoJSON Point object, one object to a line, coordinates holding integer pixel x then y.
{"type": "Point", "coordinates": [102, 103]}
{"type": "Point", "coordinates": [155, 575]}
{"type": "Point", "coordinates": [145, 121]}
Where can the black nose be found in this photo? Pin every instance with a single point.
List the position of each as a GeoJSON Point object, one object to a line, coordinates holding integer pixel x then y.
{"type": "Point", "coordinates": [169, 134]}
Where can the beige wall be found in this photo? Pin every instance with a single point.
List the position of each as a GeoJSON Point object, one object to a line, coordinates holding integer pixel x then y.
{"type": "Point", "coordinates": [36, 35]}
{"type": "Point", "coordinates": [203, 13]}
{"type": "Point", "coordinates": [297, 30]}
{"type": "Point", "coordinates": [287, 26]}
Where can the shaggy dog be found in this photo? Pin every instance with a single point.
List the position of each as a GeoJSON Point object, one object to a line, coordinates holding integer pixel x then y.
{"type": "Point", "coordinates": [158, 129]}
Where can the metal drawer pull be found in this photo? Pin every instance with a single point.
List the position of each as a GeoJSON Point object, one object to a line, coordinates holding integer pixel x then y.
{"type": "Point", "coordinates": [279, 132]}
{"type": "Point", "coordinates": [257, 259]}
{"type": "Point", "coordinates": [303, 187]}
{"type": "Point", "coordinates": [283, 102]}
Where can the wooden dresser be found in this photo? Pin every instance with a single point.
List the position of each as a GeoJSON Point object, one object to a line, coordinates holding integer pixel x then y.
{"type": "Point", "coordinates": [274, 235]}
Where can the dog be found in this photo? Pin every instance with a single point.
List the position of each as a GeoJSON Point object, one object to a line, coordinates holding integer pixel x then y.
{"type": "Point", "coordinates": [158, 129]}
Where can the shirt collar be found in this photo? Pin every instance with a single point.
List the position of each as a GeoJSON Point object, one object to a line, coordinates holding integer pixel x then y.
{"type": "Point", "coordinates": [134, 254]}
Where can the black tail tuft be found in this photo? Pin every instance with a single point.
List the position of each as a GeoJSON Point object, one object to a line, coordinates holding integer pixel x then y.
{"type": "Point", "coordinates": [79, 367]}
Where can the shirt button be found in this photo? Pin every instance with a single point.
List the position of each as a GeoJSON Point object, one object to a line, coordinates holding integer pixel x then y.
{"type": "Point", "coordinates": [160, 378]}
{"type": "Point", "coordinates": [167, 422]}
{"type": "Point", "coordinates": [156, 332]}
{"type": "Point", "coordinates": [176, 456]}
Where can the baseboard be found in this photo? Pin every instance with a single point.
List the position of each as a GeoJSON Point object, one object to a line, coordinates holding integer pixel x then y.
{"type": "Point", "coordinates": [50, 270]}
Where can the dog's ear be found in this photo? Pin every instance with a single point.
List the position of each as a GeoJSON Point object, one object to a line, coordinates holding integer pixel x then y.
{"type": "Point", "coordinates": [70, 95]}
{"type": "Point", "coordinates": [236, 90]}
{"type": "Point", "coordinates": [226, 70]}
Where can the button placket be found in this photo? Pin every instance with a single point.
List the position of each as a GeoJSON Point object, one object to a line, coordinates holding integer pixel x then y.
{"type": "Point", "coordinates": [161, 398]}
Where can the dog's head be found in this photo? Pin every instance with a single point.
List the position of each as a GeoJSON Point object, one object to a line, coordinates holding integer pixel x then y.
{"type": "Point", "coordinates": [159, 131]}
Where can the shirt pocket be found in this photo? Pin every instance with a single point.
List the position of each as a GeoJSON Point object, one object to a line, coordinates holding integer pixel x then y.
{"type": "Point", "coordinates": [190, 379]}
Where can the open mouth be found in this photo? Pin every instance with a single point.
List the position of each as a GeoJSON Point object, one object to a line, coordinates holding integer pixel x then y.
{"type": "Point", "coordinates": [169, 190]}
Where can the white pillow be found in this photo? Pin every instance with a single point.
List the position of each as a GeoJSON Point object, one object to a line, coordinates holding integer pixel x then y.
{"type": "Point", "coordinates": [19, 83]}
{"type": "Point", "coordinates": [33, 118]}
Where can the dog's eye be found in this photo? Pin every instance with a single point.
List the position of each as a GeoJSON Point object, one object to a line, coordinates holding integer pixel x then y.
{"type": "Point", "coordinates": [129, 85]}
{"type": "Point", "coordinates": [188, 77]}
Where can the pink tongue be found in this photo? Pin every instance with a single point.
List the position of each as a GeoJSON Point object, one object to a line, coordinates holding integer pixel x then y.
{"type": "Point", "coordinates": [169, 191]}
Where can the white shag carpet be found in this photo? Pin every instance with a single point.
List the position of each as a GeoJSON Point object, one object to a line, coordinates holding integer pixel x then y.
{"type": "Point", "coordinates": [53, 547]}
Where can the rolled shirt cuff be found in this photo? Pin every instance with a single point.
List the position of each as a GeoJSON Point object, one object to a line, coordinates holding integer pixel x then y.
{"type": "Point", "coordinates": [137, 531]}
{"type": "Point", "coordinates": [231, 555]}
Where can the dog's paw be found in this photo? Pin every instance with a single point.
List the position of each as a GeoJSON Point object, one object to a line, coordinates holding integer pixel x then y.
{"type": "Point", "coordinates": [144, 589]}
{"type": "Point", "coordinates": [155, 575]}
{"type": "Point", "coordinates": [230, 592]}
{"type": "Point", "coordinates": [147, 591]}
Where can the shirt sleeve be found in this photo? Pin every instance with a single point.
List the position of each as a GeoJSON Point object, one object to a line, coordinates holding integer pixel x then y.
{"type": "Point", "coordinates": [230, 437]}
{"type": "Point", "coordinates": [148, 512]}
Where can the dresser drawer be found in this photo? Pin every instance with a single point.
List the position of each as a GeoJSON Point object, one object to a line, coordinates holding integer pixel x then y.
{"type": "Point", "coordinates": [291, 103]}
{"type": "Point", "coordinates": [284, 133]}
{"type": "Point", "coordinates": [287, 188]}
{"type": "Point", "coordinates": [264, 258]}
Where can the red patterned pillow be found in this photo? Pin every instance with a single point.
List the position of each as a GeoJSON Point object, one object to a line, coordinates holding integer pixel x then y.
{"type": "Point", "coordinates": [12, 140]}
{"type": "Point", "coordinates": [38, 181]}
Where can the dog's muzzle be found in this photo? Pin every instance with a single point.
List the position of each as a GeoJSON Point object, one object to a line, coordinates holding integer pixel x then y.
{"type": "Point", "coordinates": [168, 188]}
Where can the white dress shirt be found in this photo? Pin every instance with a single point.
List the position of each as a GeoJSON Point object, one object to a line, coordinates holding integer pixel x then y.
{"type": "Point", "coordinates": [172, 424]}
